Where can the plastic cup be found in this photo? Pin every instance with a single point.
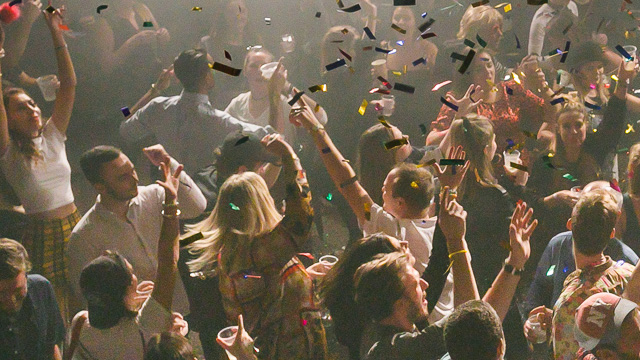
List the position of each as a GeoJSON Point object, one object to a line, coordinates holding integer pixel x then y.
{"type": "Point", "coordinates": [388, 104]}
{"type": "Point", "coordinates": [228, 336]}
{"type": "Point", "coordinates": [288, 43]}
{"type": "Point", "coordinates": [268, 69]}
{"type": "Point", "coordinates": [539, 334]}
{"type": "Point", "coordinates": [576, 189]}
{"type": "Point", "coordinates": [328, 260]}
{"type": "Point", "coordinates": [630, 64]}
{"type": "Point", "coordinates": [510, 157]}
{"type": "Point", "coordinates": [48, 85]}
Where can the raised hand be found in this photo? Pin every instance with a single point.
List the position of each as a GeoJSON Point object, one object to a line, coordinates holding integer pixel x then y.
{"type": "Point", "coordinates": [170, 183]}
{"type": "Point", "coordinates": [447, 175]}
{"type": "Point", "coordinates": [163, 36]}
{"type": "Point", "coordinates": [31, 10]}
{"type": "Point", "coordinates": [544, 317]}
{"type": "Point", "coordinates": [278, 79]}
{"type": "Point", "coordinates": [452, 220]}
{"type": "Point", "coordinates": [242, 345]}
{"type": "Point", "coordinates": [466, 103]}
{"type": "Point", "coordinates": [157, 154]}
{"type": "Point", "coordinates": [520, 231]}
{"type": "Point", "coordinates": [178, 324]}
{"type": "Point", "coordinates": [54, 20]}
{"type": "Point", "coordinates": [275, 144]}
{"type": "Point", "coordinates": [303, 116]}
{"type": "Point", "coordinates": [164, 80]}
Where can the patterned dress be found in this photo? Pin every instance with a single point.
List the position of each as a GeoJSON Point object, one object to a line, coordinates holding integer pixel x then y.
{"type": "Point", "coordinates": [608, 277]}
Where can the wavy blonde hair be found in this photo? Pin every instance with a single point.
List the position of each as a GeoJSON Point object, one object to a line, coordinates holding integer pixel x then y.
{"type": "Point", "coordinates": [572, 104]}
{"type": "Point", "coordinates": [244, 210]}
{"type": "Point", "coordinates": [476, 18]}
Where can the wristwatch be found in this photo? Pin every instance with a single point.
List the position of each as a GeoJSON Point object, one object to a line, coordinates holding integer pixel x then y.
{"type": "Point", "coordinates": [508, 268]}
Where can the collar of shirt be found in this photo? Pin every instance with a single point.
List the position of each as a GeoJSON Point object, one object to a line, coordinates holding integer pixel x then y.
{"type": "Point", "coordinates": [135, 202]}
{"type": "Point", "coordinates": [194, 97]}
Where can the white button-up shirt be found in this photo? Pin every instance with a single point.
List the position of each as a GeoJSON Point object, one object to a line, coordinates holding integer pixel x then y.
{"type": "Point", "coordinates": [188, 126]}
{"type": "Point", "coordinates": [137, 238]}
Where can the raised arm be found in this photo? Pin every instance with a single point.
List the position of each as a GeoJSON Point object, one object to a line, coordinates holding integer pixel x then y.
{"type": "Point", "coordinates": [168, 244]}
{"type": "Point", "coordinates": [19, 33]}
{"type": "Point", "coordinates": [4, 126]}
{"type": "Point", "coordinates": [452, 220]}
{"type": "Point", "coordinates": [67, 93]}
{"type": "Point", "coordinates": [338, 167]}
{"type": "Point", "coordinates": [275, 85]}
{"type": "Point", "coordinates": [501, 293]}
{"type": "Point", "coordinates": [163, 82]}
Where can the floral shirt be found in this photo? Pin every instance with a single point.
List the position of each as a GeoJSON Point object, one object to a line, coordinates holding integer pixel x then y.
{"type": "Point", "coordinates": [516, 110]}
{"type": "Point", "coordinates": [270, 287]}
{"type": "Point", "coordinates": [607, 277]}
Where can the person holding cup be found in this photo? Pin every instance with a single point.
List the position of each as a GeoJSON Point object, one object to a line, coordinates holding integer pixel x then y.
{"type": "Point", "coordinates": [34, 161]}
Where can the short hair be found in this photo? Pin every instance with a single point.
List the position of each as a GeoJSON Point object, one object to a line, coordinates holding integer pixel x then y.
{"type": "Point", "coordinates": [13, 259]}
{"type": "Point", "coordinates": [92, 160]}
{"type": "Point", "coordinates": [257, 50]}
{"type": "Point", "coordinates": [169, 346]}
{"type": "Point", "coordinates": [190, 67]}
{"type": "Point", "coordinates": [592, 220]}
{"type": "Point", "coordinates": [378, 284]}
{"type": "Point", "coordinates": [414, 185]}
{"type": "Point", "coordinates": [475, 18]}
{"type": "Point", "coordinates": [473, 332]}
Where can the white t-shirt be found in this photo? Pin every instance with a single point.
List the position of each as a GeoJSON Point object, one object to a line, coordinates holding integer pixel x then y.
{"type": "Point", "coordinates": [239, 109]}
{"type": "Point", "coordinates": [418, 233]}
{"type": "Point", "coordinates": [538, 29]}
{"type": "Point", "coordinates": [42, 184]}
{"type": "Point", "coordinates": [124, 340]}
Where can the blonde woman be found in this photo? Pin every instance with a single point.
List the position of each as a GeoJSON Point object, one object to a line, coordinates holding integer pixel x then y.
{"type": "Point", "coordinates": [253, 249]}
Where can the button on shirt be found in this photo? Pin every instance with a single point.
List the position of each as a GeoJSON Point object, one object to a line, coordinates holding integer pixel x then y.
{"type": "Point", "coordinates": [137, 238]}
{"type": "Point", "coordinates": [187, 125]}
{"type": "Point", "coordinates": [33, 332]}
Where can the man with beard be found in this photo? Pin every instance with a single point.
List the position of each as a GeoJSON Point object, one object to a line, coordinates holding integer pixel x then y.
{"type": "Point", "coordinates": [30, 323]}
{"type": "Point", "coordinates": [126, 217]}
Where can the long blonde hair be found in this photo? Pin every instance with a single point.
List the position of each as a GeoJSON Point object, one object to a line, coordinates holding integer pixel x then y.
{"type": "Point", "coordinates": [244, 210]}
{"type": "Point", "coordinates": [476, 18]}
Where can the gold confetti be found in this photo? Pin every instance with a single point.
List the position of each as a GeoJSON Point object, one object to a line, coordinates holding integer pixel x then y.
{"type": "Point", "coordinates": [629, 129]}
{"type": "Point", "coordinates": [507, 8]}
{"type": "Point", "coordinates": [396, 73]}
{"type": "Point", "coordinates": [363, 107]}
{"type": "Point", "coordinates": [414, 185]}
{"type": "Point", "coordinates": [516, 78]}
{"type": "Point", "coordinates": [196, 8]}
{"type": "Point", "coordinates": [614, 77]}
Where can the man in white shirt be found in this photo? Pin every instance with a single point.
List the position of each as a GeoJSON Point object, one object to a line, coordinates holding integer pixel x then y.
{"type": "Point", "coordinates": [556, 14]}
{"type": "Point", "coordinates": [187, 125]}
{"type": "Point", "coordinates": [126, 217]}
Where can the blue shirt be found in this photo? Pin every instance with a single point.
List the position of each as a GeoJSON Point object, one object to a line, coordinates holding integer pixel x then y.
{"type": "Point", "coordinates": [33, 332]}
{"type": "Point", "coordinates": [557, 263]}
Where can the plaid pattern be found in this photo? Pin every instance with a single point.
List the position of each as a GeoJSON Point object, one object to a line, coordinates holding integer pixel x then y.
{"type": "Point", "coordinates": [45, 242]}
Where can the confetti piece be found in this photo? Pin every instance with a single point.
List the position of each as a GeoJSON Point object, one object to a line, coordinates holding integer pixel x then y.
{"type": "Point", "coordinates": [426, 25]}
{"type": "Point", "coordinates": [480, 3]}
{"type": "Point", "coordinates": [316, 88]}
{"type": "Point", "coordinates": [423, 129]}
{"type": "Point", "coordinates": [326, 150]}
{"type": "Point", "coordinates": [335, 65]}
{"type": "Point", "coordinates": [125, 111]}
{"type": "Point", "coordinates": [424, 15]}
{"type": "Point", "coordinates": [15, 2]}
{"type": "Point", "coordinates": [367, 48]}
{"type": "Point", "coordinates": [369, 33]}
{"type": "Point", "coordinates": [267, 20]}
{"type": "Point", "coordinates": [519, 167]}
{"type": "Point", "coordinates": [449, 104]}
{"type": "Point", "coordinates": [50, 9]}
{"type": "Point", "coordinates": [196, 8]}
{"type": "Point", "coordinates": [551, 270]}
{"type": "Point", "coordinates": [566, 52]}
{"type": "Point", "coordinates": [614, 78]}
{"type": "Point", "coordinates": [389, 145]}
{"type": "Point", "coordinates": [147, 24]}
{"type": "Point", "coordinates": [404, 88]}
{"type": "Point", "coordinates": [398, 29]}
{"type": "Point", "coordinates": [384, 51]}
{"type": "Point", "coordinates": [384, 82]}
{"type": "Point", "coordinates": [379, 91]}
{"type": "Point", "coordinates": [363, 107]}
{"type": "Point", "coordinates": [419, 61]}
{"type": "Point", "coordinates": [400, 42]}
{"type": "Point", "coordinates": [509, 91]}
{"type": "Point", "coordinates": [64, 27]}
{"type": "Point", "coordinates": [465, 65]}
{"type": "Point", "coordinates": [546, 159]}
{"type": "Point", "coordinates": [318, 14]}
{"type": "Point", "coordinates": [367, 211]}
{"type": "Point", "coordinates": [225, 69]}
{"type": "Point", "coordinates": [614, 185]}
{"type": "Point", "coordinates": [191, 239]}
{"type": "Point", "coordinates": [227, 55]}
{"type": "Point", "coordinates": [510, 144]}
{"type": "Point", "coordinates": [592, 106]}
{"type": "Point", "coordinates": [629, 129]}
{"type": "Point", "coordinates": [569, 177]}
{"type": "Point", "coordinates": [242, 140]}
{"type": "Point", "coordinates": [384, 122]}
{"type": "Point", "coordinates": [414, 185]}
{"type": "Point", "coordinates": [624, 52]}
{"type": "Point", "coordinates": [234, 207]}
{"type": "Point", "coordinates": [557, 101]}
{"type": "Point", "coordinates": [517, 42]}
{"type": "Point", "coordinates": [457, 56]}
{"type": "Point", "coordinates": [295, 98]}
{"type": "Point", "coordinates": [452, 162]}
{"type": "Point", "coordinates": [248, 276]}
{"type": "Point", "coordinates": [344, 31]}
{"type": "Point", "coordinates": [329, 196]}
{"type": "Point", "coordinates": [350, 9]}
{"type": "Point", "coordinates": [469, 43]}
{"type": "Point", "coordinates": [101, 7]}
{"type": "Point", "coordinates": [507, 8]}
{"type": "Point", "coordinates": [481, 41]}
{"type": "Point", "coordinates": [404, 2]}
{"type": "Point", "coordinates": [345, 54]}
{"type": "Point", "coordinates": [516, 78]}
{"type": "Point", "coordinates": [559, 91]}
{"type": "Point", "coordinates": [428, 35]}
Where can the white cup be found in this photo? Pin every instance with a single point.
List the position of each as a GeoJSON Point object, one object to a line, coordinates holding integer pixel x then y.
{"type": "Point", "coordinates": [510, 157]}
{"type": "Point", "coordinates": [388, 104]}
{"type": "Point", "coordinates": [228, 336]}
{"type": "Point", "coordinates": [268, 69]}
{"type": "Point", "coordinates": [288, 43]}
{"type": "Point", "coordinates": [48, 85]}
{"type": "Point", "coordinates": [539, 334]}
{"type": "Point", "coordinates": [630, 64]}
{"type": "Point", "coordinates": [328, 260]}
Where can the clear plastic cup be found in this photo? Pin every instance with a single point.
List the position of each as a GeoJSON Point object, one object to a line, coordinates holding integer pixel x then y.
{"type": "Point", "coordinates": [268, 69]}
{"type": "Point", "coordinates": [576, 189]}
{"type": "Point", "coordinates": [630, 64]}
{"type": "Point", "coordinates": [328, 260]}
{"type": "Point", "coordinates": [288, 43]}
{"type": "Point", "coordinates": [388, 104]}
{"type": "Point", "coordinates": [510, 157]}
{"type": "Point", "coordinates": [539, 334]}
{"type": "Point", "coordinates": [228, 336]}
{"type": "Point", "coordinates": [48, 85]}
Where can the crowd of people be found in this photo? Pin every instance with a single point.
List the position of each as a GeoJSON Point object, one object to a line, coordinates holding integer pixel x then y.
{"type": "Point", "coordinates": [491, 209]}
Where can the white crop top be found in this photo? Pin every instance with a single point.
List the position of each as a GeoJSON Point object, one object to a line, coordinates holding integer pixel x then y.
{"type": "Point", "coordinates": [41, 185]}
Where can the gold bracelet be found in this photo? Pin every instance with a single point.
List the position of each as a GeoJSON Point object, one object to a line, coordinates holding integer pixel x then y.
{"type": "Point", "coordinates": [458, 252]}
{"type": "Point", "coordinates": [178, 212]}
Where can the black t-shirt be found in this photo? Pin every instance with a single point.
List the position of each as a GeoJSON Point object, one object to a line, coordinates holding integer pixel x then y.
{"type": "Point", "coordinates": [33, 332]}
{"type": "Point", "coordinates": [391, 343]}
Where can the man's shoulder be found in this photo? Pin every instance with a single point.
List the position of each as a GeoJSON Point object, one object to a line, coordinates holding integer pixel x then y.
{"type": "Point", "coordinates": [39, 287]}
{"type": "Point", "coordinates": [425, 344]}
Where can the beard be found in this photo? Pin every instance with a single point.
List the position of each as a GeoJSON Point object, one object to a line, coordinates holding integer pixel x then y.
{"type": "Point", "coordinates": [121, 195]}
